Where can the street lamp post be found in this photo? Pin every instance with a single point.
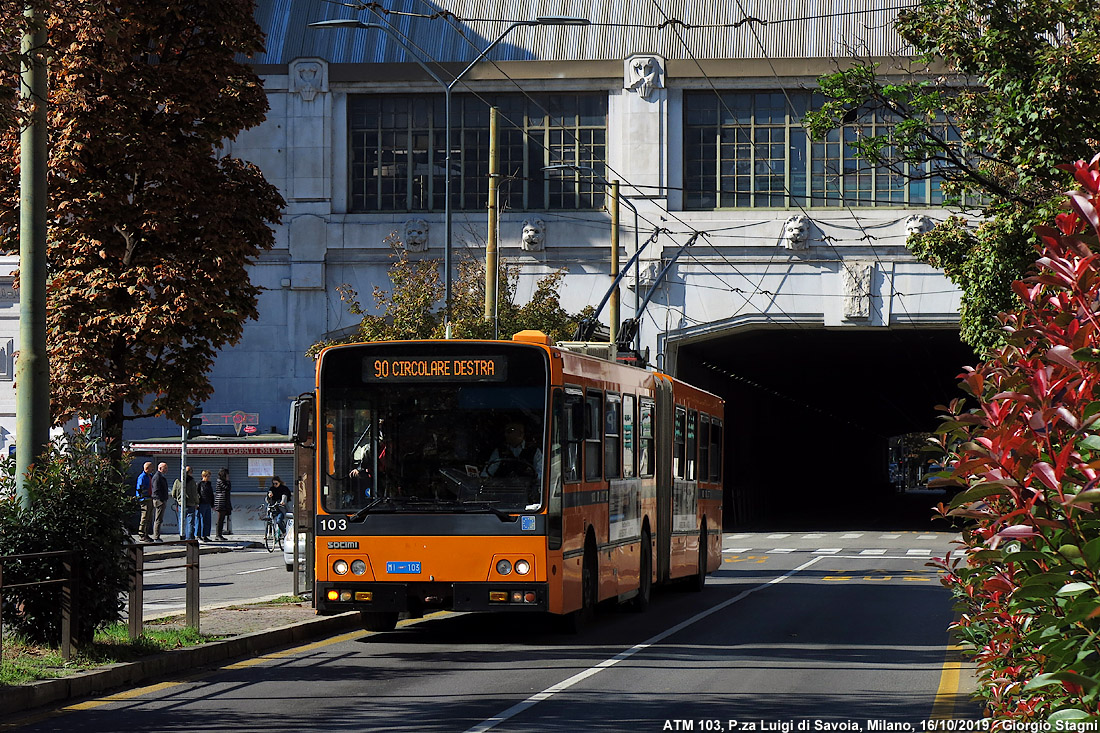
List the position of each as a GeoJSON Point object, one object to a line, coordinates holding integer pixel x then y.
{"type": "Point", "coordinates": [447, 87]}
{"type": "Point", "coordinates": [615, 199]}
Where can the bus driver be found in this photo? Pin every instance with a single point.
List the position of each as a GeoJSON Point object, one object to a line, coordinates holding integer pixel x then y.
{"type": "Point", "coordinates": [513, 457]}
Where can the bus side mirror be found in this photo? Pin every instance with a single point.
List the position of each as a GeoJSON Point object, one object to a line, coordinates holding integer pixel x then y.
{"type": "Point", "coordinates": [301, 419]}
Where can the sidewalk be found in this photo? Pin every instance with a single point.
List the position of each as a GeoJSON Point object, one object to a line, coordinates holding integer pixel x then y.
{"type": "Point", "coordinates": [250, 626]}
{"type": "Point", "coordinates": [165, 551]}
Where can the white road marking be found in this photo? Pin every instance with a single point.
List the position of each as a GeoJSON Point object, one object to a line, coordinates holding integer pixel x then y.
{"type": "Point", "coordinates": [827, 551]}
{"type": "Point", "coordinates": [923, 553]}
{"type": "Point", "coordinates": [880, 557]}
{"type": "Point", "coordinates": [741, 536]}
{"type": "Point", "coordinates": [813, 536]}
{"type": "Point", "coordinates": [927, 537]}
{"type": "Point", "coordinates": [872, 552]}
{"type": "Point", "coordinates": [260, 570]}
{"type": "Point", "coordinates": [783, 550]}
{"type": "Point", "coordinates": [581, 676]}
{"type": "Point", "coordinates": [851, 536]}
{"type": "Point", "coordinates": [889, 536]}
{"type": "Point", "coordinates": [737, 550]}
{"type": "Point", "coordinates": [778, 536]}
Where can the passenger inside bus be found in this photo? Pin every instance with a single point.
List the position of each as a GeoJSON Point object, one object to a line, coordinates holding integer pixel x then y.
{"type": "Point", "coordinates": [430, 450]}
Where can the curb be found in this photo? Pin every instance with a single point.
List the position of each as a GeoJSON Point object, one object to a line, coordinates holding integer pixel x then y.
{"type": "Point", "coordinates": [175, 554]}
{"type": "Point", "coordinates": [84, 684]}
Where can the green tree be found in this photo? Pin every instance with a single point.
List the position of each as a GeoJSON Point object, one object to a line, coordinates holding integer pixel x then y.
{"type": "Point", "coordinates": [413, 308]}
{"type": "Point", "coordinates": [1016, 101]}
{"type": "Point", "coordinates": [79, 501]}
{"type": "Point", "coordinates": [151, 225]}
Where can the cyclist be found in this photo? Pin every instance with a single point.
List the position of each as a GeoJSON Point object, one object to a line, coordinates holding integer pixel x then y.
{"type": "Point", "coordinates": [278, 494]}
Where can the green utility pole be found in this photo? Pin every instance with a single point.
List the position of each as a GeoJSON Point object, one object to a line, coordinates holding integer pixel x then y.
{"type": "Point", "coordinates": [32, 374]}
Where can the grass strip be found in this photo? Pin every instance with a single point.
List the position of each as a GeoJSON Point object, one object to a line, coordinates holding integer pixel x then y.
{"type": "Point", "coordinates": [24, 662]}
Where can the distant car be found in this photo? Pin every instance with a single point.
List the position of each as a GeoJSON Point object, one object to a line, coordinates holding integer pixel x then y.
{"type": "Point", "coordinates": [288, 545]}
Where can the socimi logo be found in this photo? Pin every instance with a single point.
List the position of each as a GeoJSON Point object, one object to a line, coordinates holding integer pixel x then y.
{"type": "Point", "coordinates": [399, 369]}
{"type": "Point", "coordinates": [343, 545]}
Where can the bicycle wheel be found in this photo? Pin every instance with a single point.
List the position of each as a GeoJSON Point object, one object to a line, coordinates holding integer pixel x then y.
{"type": "Point", "coordinates": [269, 536]}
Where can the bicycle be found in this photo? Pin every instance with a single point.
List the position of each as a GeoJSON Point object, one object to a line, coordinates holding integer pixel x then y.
{"type": "Point", "coordinates": [273, 533]}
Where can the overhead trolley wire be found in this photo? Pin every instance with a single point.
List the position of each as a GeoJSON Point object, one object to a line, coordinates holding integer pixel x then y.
{"type": "Point", "coordinates": [377, 9]}
{"type": "Point", "coordinates": [669, 22]}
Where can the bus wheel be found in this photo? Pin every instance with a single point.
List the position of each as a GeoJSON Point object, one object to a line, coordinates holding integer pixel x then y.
{"type": "Point", "coordinates": [582, 617]}
{"type": "Point", "coordinates": [698, 580]}
{"type": "Point", "coordinates": [378, 620]}
{"type": "Point", "coordinates": [645, 575]}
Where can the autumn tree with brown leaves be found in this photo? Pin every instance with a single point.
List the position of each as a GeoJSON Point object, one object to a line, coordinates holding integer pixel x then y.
{"type": "Point", "coordinates": [151, 225]}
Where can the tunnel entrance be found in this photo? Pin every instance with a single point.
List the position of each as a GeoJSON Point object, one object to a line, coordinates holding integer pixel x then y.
{"type": "Point", "coordinates": [809, 417]}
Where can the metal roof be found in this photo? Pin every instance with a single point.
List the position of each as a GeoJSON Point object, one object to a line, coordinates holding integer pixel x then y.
{"type": "Point", "coordinates": [459, 30]}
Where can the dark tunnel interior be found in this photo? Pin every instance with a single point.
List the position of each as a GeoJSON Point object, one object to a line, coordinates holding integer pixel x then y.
{"type": "Point", "coordinates": [809, 414]}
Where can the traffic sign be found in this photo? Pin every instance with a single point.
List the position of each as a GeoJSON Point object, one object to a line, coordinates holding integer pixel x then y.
{"type": "Point", "coordinates": [237, 419]}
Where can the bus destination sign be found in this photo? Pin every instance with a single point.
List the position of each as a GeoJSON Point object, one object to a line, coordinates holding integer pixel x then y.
{"type": "Point", "coordinates": [440, 368]}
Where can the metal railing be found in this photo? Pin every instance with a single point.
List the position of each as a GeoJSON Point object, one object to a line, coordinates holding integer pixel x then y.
{"type": "Point", "coordinates": [68, 584]}
{"type": "Point", "coordinates": [137, 583]}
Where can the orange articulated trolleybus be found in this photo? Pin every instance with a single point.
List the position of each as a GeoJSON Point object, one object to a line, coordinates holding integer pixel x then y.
{"type": "Point", "coordinates": [506, 476]}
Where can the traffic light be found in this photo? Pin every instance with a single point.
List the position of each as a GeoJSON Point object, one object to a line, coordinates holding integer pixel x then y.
{"type": "Point", "coordinates": [194, 422]}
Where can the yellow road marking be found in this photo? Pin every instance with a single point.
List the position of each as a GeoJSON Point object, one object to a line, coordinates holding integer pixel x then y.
{"type": "Point", "coordinates": [245, 663]}
{"type": "Point", "coordinates": [161, 686]}
{"type": "Point", "coordinates": [124, 695]}
{"type": "Point", "coordinates": [754, 558]}
{"type": "Point", "coordinates": [944, 705]}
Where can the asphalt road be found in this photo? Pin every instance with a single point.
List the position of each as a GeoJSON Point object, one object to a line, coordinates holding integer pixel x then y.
{"type": "Point", "coordinates": [818, 630]}
{"type": "Point", "coordinates": [224, 578]}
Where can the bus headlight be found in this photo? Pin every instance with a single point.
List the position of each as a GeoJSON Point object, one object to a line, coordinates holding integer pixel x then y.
{"type": "Point", "coordinates": [340, 567]}
{"type": "Point", "coordinates": [358, 567]}
{"type": "Point", "coordinates": [522, 567]}
{"type": "Point", "coordinates": [504, 567]}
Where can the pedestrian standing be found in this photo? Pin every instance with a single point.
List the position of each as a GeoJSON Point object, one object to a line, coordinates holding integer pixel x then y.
{"type": "Point", "coordinates": [206, 505]}
{"type": "Point", "coordinates": [144, 494]}
{"type": "Point", "coordinates": [190, 501]}
{"type": "Point", "coordinates": [160, 498]}
{"type": "Point", "coordinates": [223, 504]}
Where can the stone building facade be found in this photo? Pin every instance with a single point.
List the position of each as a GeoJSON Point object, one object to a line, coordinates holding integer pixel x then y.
{"type": "Point", "coordinates": [692, 107]}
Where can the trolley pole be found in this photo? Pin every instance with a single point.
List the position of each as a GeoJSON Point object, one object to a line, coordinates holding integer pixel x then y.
{"type": "Point", "coordinates": [32, 372]}
{"type": "Point", "coordinates": [491, 252]}
{"type": "Point", "coordinates": [614, 303]}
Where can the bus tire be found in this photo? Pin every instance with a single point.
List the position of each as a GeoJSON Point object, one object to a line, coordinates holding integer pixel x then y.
{"type": "Point", "coordinates": [699, 580]}
{"type": "Point", "coordinates": [578, 620]}
{"type": "Point", "coordinates": [645, 575]}
{"type": "Point", "coordinates": [378, 620]}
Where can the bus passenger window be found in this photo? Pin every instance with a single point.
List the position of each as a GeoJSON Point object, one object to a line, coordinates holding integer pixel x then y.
{"type": "Point", "coordinates": [593, 435]}
{"type": "Point", "coordinates": [704, 447]}
{"type": "Point", "coordinates": [557, 444]}
{"type": "Point", "coordinates": [716, 451]}
{"type": "Point", "coordinates": [645, 439]}
{"type": "Point", "coordinates": [574, 435]}
{"type": "Point", "coordinates": [611, 431]}
{"type": "Point", "coordinates": [692, 423]}
{"type": "Point", "coordinates": [628, 436]}
{"type": "Point", "coordinates": [680, 429]}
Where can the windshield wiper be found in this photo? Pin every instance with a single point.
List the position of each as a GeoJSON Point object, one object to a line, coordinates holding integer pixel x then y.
{"type": "Point", "coordinates": [501, 515]}
{"type": "Point", "coordinates": [361, 515]}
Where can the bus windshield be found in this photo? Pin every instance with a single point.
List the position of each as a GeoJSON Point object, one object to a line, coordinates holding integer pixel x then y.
{"type": "Point", "coordinates": [433, 428]}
